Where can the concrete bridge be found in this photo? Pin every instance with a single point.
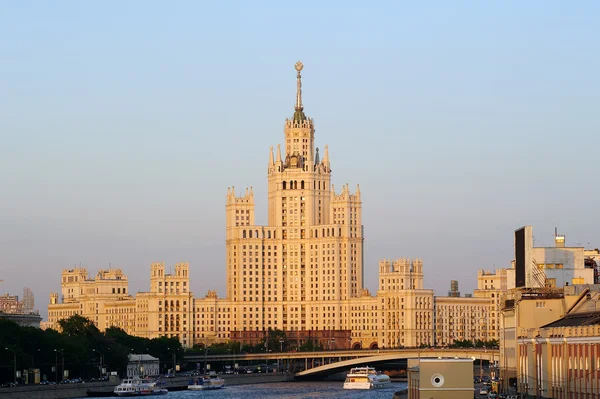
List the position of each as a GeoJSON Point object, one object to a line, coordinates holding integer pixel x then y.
{"type": "Point", "coordinates": [316, 365]}
{"type": "Point", "coordinates": [390, 356]}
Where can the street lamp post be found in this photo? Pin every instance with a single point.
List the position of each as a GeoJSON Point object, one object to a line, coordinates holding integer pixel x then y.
{"type": "Point", "coordinates": [174, 359]}
{"type": "Point", "coordinates": [63, 362]}
{"type": "Point", "coordinates": [481, 364]}
{"type": "Point", "coordinates": [14, 364]}
{"type": "Point", "coordinates": [234, 366]}
{"type": "Point", "coordinates": [206, 349]}
{"type": "Point", "coordinates": [331, 341]}
{"type": "Point", "coordinates": [493, 367]}
{"type": "Point", "coordinates": [101, 360]}
{"type": "Point", "coordinates": [267, 349]}
{"type": "Point", "coordinates": [281, 341]}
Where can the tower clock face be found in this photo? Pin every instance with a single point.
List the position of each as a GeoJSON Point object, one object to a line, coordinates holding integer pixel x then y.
{"type": "Point", "coordinates": [294, 161]}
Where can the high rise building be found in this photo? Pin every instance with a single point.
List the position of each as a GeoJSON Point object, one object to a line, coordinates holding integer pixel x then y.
{"type": "Point", "coordinates": [556, 266]}
{"type": "Point", "coordinates": [310, 253]}
{"type": "Point", "coordinates": [28, 300]}
{"type": "Point", "coordinates": [302, 273]}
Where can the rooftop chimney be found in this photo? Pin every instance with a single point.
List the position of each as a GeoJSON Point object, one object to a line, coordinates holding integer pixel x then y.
{"type": "Point", "coordinates": [454, 289]}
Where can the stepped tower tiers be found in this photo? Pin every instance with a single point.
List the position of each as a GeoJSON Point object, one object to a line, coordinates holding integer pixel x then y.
{"type": "Point", "coordinates": [310, 252]}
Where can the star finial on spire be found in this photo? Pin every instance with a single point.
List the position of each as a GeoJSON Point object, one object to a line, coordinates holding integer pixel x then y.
{"type": "Point", "coordinates": [299, 115]}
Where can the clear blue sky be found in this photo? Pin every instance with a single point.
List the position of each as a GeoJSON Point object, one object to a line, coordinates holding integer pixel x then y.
{"type": "Point", "coordinates": [123, 123]}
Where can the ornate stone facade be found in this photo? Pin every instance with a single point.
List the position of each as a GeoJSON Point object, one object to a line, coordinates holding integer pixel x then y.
{"type": "Point", "coordinates": [301, 273]}
{"type": "Point", "coordinates": [104, 299]}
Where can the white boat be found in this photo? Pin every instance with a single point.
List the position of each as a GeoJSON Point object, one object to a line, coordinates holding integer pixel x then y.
{"type": "Point", "coordinates": [365, 378]}
{"type": "Point", "coordinates": [139, 387]}
{"type": "Point", "coordinates": [207, 381]}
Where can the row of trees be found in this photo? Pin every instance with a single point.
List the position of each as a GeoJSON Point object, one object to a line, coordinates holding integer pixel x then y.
{"type": "Point", "coordinates": [277, 341]}
{"type": "Point", "coordinates": [84, 350]}
{"type": "Point", "coordinates": [465, 343]}
{"type": "Point", "coordinates": [80, 347]}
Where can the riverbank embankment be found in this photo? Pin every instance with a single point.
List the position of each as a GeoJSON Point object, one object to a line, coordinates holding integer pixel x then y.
{"type": "Point", "coordinates": [67, 391]}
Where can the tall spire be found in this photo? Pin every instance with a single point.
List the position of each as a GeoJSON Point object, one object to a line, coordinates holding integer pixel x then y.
{"type": "Point", "coordinates": [299, 66]}
{"type": "Point", "coordinates": [299, 114]}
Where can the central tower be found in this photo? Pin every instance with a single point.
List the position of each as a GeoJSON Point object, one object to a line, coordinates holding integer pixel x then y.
{"type": "Point", "coordinates": [300, 172]}
{"type": "Point", "coordinates": [300, 271]}
{"type": "Point", "coordinates": [300, 130]}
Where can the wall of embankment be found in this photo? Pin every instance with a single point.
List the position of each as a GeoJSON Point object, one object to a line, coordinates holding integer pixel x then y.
{"type": "Point", "coordinates": [67, 391]}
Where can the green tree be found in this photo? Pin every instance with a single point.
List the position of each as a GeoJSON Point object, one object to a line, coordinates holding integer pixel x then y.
{"type": "Point", "coordinates": [461, 343]}
{"type": "Point", "coordinates": [309, 346]}
{"type": "Point", "coordinates": [77, 325]}
{"type": "Point", "coordinates": [275, 338]}
{"type": "Point", "coordinates": [82, 346]}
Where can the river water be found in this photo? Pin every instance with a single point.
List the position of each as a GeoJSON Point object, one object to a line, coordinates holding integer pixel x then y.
{"type": "Point", "coordinates": [289, 390]}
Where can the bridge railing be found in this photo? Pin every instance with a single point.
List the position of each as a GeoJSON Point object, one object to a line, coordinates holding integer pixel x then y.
{"type": "Point", "coordinates": [461, 352]}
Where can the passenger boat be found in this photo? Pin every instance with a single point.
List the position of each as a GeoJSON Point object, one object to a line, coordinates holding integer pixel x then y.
{"type": "Point", "coordinates": [139, 387]}
{"type": "Point", "coordinates": [207, 381]}
{"type": "Point", "coordinates": [365, 378]}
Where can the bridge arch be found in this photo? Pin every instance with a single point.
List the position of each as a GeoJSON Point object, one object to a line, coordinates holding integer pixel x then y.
{"type": "Point", "coordinates": [379, 356]}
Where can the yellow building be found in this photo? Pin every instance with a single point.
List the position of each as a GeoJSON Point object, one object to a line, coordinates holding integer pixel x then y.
{"type": "Point", "coordinates": [104, 299]}
{"type": "Point", "coordinates": [405, 307]}
{"type": "Point", "coordinates": [302, 272]}
{"type": "Point", "coordinates": [491, 285]}
{"type": "Point", "coordinates": [299, 271]}
{"type": "Point", "coordinates": [523, 310]}
{"type": "Point", "coordinates": [561, 359]}
{"type": "Point", "coordinates": [168, 308]}
{"type": "Point", "coordinates": [463, 318]}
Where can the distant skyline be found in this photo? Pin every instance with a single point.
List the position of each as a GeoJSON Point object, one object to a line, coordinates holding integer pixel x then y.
{"type": "Point", "coordinates": [123, 124]}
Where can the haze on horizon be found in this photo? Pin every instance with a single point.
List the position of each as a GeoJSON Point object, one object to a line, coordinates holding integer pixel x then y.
{"type": "Point", "coordinates": [123, 124]}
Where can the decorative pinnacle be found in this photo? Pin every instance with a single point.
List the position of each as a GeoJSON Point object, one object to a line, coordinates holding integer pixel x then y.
{"type": "Point", "coordinates": [299, 66]}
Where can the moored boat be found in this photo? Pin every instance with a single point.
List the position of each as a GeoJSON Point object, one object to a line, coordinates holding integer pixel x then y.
{"type": "Point", "coordinates": [207, 381]}
{"type": "Point", "coordinates": [139, 387]}
{"type": "Point", "coordinates": [365, 378]}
